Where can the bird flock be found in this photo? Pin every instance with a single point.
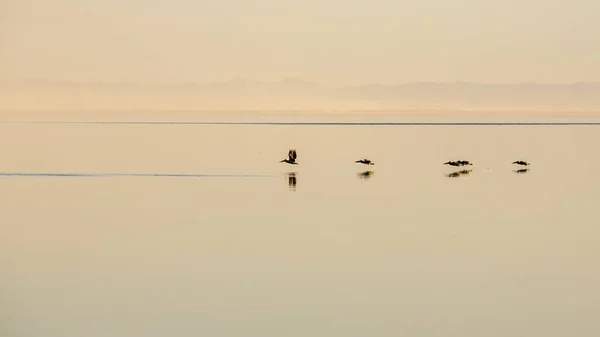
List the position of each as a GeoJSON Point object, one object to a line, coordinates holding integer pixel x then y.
{"type": "Point", "coordinates": [292, 155]}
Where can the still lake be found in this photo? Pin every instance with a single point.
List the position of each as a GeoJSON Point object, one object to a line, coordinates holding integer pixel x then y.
{"type": "Point", "coordinates": [196, 229]}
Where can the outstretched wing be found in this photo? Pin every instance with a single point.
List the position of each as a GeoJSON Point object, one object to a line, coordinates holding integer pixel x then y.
{"type": "Point", "coordinates": [293, 155]}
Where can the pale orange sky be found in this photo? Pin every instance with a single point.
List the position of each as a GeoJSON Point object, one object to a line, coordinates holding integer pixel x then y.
{"type": "Point", "coordinates": [334, 42]}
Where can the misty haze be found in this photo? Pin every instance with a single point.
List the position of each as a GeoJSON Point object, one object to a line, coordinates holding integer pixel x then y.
{"type": "Point", "coordinates": [317, 168]}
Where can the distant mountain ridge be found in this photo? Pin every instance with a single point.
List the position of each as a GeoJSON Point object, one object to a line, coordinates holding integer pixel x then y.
{"type": "Point", "coordinates": [299, 93]}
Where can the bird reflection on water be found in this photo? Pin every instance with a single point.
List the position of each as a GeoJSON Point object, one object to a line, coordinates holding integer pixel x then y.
{"type": "Point", "coordinates": [365, 175]}
{"type": "Point", "coordinates": [458, 173]}
{"type": "Point", "coordinates": [521, 171]}
{"type": "Point", "coordinates": [292, 181]}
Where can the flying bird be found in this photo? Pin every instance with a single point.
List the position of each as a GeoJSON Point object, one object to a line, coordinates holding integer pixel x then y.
{"type": "Point", "coordinates": [520, 162]}
{"type": "Point", "coordinates": [458, 163]}
{"type": "Point", "coordinates": [452, 163]}
{"type": "Point", "coordinates": [291, 158]}
{"type": "Point", "coordinates": [365, 161]}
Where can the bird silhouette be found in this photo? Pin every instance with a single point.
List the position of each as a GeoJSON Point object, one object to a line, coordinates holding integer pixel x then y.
{"type": "Point", "coordinates": [291, 158]}
{"type": "Point", "coordinates": [458, 163]}
{"type": "Point", "coordinates": [365, 161]}
{"type": "Point", "coordinates": [520, 162]}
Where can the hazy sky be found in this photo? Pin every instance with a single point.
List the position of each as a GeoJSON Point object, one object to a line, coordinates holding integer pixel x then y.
{"type": "Point", "coordinates": [335, 42]}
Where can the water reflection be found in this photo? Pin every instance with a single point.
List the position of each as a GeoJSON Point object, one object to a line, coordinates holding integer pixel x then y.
{"type": "Point", "coordinates": [365, 175]}
{"type": "Point", "coordinates": [458, 173]}
{"type": "Point", "coordinates": [292, 181]}
{"type": "Point", "coordinates": [520, 171]}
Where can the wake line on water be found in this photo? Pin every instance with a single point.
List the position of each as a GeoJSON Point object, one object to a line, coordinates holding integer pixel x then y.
{"type": "Point", "coordinates": [173, 175]}
{"type": "Point", "coordinates": [319, 123]}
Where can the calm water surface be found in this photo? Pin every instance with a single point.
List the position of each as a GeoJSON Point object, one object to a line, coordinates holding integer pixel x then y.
{"type": "Point", "coordinates": [198, 230]}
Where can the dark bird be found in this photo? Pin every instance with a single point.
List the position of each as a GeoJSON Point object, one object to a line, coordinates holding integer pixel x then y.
{"type": "Point", "coordinates": [365, 161]}
{"type": "Point", "coordinates": [458, 163]}
{"type": "Point", "coordinates": [291, 158]}
{"type": "Point", "coordinates": [520, 162]}
{"type": "Point", "coordinates": [520, 171]}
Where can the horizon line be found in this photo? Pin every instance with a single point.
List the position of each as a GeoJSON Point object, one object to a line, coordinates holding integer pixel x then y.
{"type": "Point", "coordinates": [314, 123]}
{"type": "Point", "coordinates": [288, 79]}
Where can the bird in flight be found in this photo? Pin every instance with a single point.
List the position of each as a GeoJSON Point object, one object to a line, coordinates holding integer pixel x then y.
{"type": "Point", "coordinates": [291, 158]}
{"type": "Point", "coordinates": [365, 161]}
{"type": "Point", "coordinates": [520, 162]}
{"type": "Point", "coordinates": [458, 163]}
